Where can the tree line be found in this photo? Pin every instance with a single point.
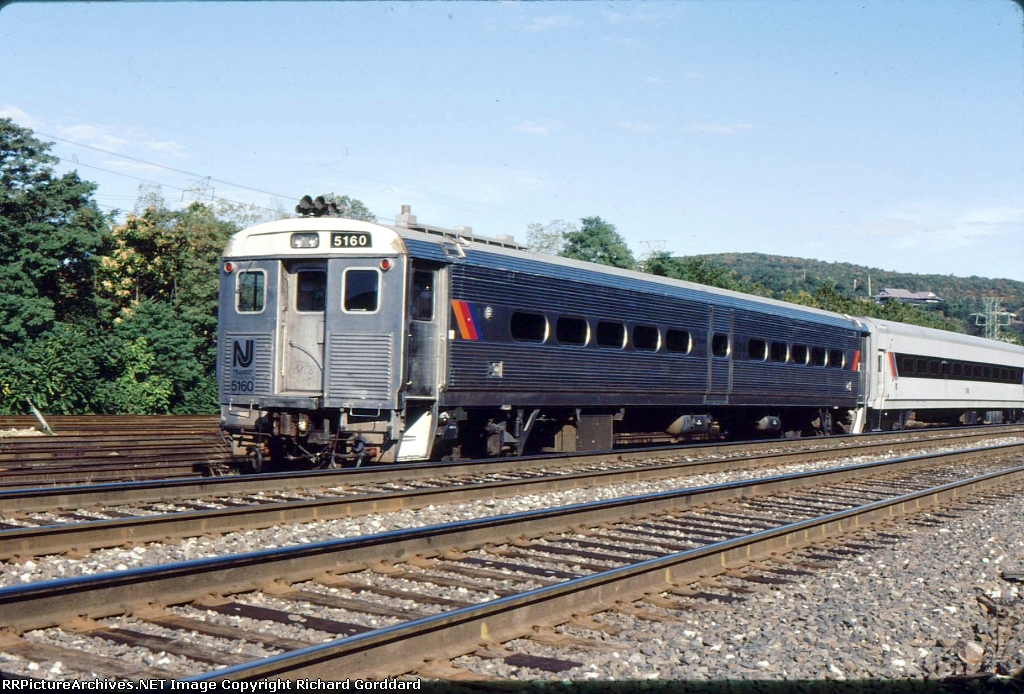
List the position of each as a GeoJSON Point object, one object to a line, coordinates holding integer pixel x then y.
{"type": "Point", "coordinates": [117, 313]}
{"type": "Point", "coordinates": [100, 314]}
{"type": "Point", "coordinates": [837, 287]}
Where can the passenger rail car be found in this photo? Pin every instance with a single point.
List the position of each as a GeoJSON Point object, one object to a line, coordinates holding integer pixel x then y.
{"type": "Point", "coordinates": [344, 341]}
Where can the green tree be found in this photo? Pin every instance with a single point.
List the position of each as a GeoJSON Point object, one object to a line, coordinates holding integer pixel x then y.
{"type": "Point", "coordinates": [161, 281]}
{"type": "Point", "coordinates": [350, 208]}
{"type": "Point", "coordinates": [50, 234]}
{"type": "Point", "coordinates": [597, 241]}
{"type": "Point", "coordinates": [60, 371]}
{"type": "Point", "coordinates": [138, 390]}
{"type": "Point", "coordinates": [549, 238]}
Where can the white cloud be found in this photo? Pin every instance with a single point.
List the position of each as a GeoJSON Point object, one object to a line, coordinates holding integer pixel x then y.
{"type": "Point", "coordinates": [557, 21]}
{"type": "Point", "coordinates": [694, 76]}
{"type": "Point", "coordinates": [656, 80]}
{"type": "Point", "coordinates": [127, 165]}
{"type": "Point", "coordinates": [543, 127]}
{"type": "Point", "coordinates": [168, 147]}
{"type": "Point", "coordinates": [18, 116]}
{"type": "Point", "coordinates": [94, 136]}
{"type": "Point", "coordinates": [927, 227]}
{"type": "Point", "coordinates": [717, 129]}
{"type": "Point", "coordinates": [638, 127]}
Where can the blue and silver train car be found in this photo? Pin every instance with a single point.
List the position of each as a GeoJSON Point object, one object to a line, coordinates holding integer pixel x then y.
{"type": "Point", "coordinates": [345, 341]}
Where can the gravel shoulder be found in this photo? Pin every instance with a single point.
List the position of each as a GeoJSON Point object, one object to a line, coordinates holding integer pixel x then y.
{"type": "Point", "coordinates": [920, 607]}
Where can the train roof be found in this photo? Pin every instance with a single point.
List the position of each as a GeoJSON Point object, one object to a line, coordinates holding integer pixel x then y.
{"type": "Point", "coordinates": [906, 330]}
{"type": "Point", "coordinates": [458, 246]}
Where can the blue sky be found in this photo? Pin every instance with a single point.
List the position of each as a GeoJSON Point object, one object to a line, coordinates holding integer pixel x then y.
{"type": "Point", "coordinates": [889, 134]}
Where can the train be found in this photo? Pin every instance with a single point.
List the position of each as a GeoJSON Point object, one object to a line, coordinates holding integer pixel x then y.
{"type": "Point", "coordinates": [345, 343]}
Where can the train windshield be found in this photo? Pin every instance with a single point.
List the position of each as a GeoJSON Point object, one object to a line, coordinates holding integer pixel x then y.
{"type": "Point", "coordinates": [312, 290]}
{"type": "Point", "coordinates": [361, 288]}
{"type": "Point", "coordinates": [252, 291]}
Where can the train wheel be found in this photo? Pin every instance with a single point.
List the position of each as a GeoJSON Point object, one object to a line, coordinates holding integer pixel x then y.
{"type": "Point", "coordinates": [254, 461]}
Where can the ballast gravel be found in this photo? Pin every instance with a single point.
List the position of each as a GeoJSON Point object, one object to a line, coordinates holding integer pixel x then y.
{"type": "Point", "coordinates": [150, 554]}
{"type": "Point", "coordinates": [920, 606]}
{"type": "Point", "coordinates": [928, 602]}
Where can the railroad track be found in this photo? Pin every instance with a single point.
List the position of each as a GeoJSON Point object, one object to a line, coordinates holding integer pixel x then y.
{"type": "Point", "coordinates": [94, 449]}
{"type": "Point", "coordinates": [377, 606]}
{"type": "Point", "coordinates": [104, 516]}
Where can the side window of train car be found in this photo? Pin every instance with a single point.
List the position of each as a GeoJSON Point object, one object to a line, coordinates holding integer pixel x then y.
{"type": "Point", "coordinates": [720, 345]}
{"type": "Point", "coordinates": [798, 355]}
{"type": "Point", "coordinates": [780, 352]}
{"type": "Point", "coordinates": [611, 334]}
{"type": "Point", "coordinates": [311, 295]}
{"type": "Point", "coordinates": [570, 330]}
{"type": "Point", "coordinates": [528, 327]}
{"type": "Point", "coordinates": [817, 356]}
{"type": "Point", "coordinates": [422, 299]}
{"type": "Point", "coordinates": [646, 338]}
{"type": "Point", "coordinates": [678, 341]}
{"type": "Point", "coordinates": [757, 349]}
{"type": "Point", "coordinates": [836, 359]}
{"type": "Point", "coordinates": [251, 291]}
{"type": "Point", "coordinates": [361, 290]}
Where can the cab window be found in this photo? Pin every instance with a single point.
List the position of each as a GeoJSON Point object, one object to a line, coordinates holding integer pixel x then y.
{"type": "Point", "coordinates": [361, 290]}
{"type": "Point", "coordinates": [422, 299]}
{"type": "Point", "coordinates": [312, 287]}
{"type": "Point", "coordinates": [252, 291]}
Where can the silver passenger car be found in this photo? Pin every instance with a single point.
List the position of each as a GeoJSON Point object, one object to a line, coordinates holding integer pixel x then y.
{"type": "Point", "coordinates": [348, 342]}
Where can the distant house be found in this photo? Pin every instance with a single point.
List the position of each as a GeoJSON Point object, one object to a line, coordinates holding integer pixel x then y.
{"type": "Point", "coordinates": [907, 297]}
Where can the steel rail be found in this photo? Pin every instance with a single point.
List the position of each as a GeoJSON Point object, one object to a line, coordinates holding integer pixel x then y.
{"type": "Point", "coordinates": [55, 539]}
{"type": "Point", "coordinates": [49, 603]}
{"type": "Point", "coordinates": [403, 647]}
{"type": "Point", "coordinates": [150, 491]}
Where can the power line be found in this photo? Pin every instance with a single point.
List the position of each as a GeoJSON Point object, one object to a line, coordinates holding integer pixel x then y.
{"type": "Point", "coordinates": [154, 183]}
{"type": "Point", "coordinates": [167, 168]}
{"type": "Point", "coordinates": [368, 179]}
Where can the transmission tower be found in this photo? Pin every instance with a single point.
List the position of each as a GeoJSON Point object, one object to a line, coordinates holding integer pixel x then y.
{"type": "Point", "coordinates": [199, 191]}
{"type": "Point", "coordinates": [993, 317]}
{"type": "Point", "coordinates": [650, 249]}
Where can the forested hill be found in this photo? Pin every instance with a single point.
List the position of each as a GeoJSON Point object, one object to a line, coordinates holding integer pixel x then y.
{"type": "Point", "coordinates": [782, 274]}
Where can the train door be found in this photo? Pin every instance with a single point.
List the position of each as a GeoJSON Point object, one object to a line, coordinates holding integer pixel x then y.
{"type": "Point", "coordinates": [421, 366]}
{"type": "Point", "coordinates": [421, 377]}
{"type": "Point", "coordinates": [719, 351]}
{"type": "Point", "coordinates": [303, 300]}
{"type": "Point", "coordinates": [365, 317]}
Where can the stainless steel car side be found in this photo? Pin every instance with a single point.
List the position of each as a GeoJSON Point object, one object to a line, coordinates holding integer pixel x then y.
{"type": "Point", "coordinates": [348, 342]}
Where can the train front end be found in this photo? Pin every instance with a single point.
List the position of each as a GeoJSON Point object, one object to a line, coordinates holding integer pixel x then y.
{"type": "Point", "coordinates": [310, 330]}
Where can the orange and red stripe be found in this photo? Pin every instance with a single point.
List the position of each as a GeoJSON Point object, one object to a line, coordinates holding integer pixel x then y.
{"type": "Point", "coordinates": [464, 317]}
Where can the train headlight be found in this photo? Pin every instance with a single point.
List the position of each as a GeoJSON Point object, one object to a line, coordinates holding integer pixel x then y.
{"type": "Point", "coordinates": [228, 268]}
{"type": "Point", "coordinates": [305, 239]}
{"type": "Point", "coordinates": [385, 265]}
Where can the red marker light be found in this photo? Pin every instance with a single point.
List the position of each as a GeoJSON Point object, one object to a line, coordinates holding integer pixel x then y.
{"type": "Point", "coordinates": [385, 265]}
{"type": "Point", "coordinates": [229, 268]}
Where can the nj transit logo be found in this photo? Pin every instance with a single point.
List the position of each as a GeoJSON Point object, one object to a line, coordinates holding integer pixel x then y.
{"type": "Point", "coordinates": [244, 357]}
